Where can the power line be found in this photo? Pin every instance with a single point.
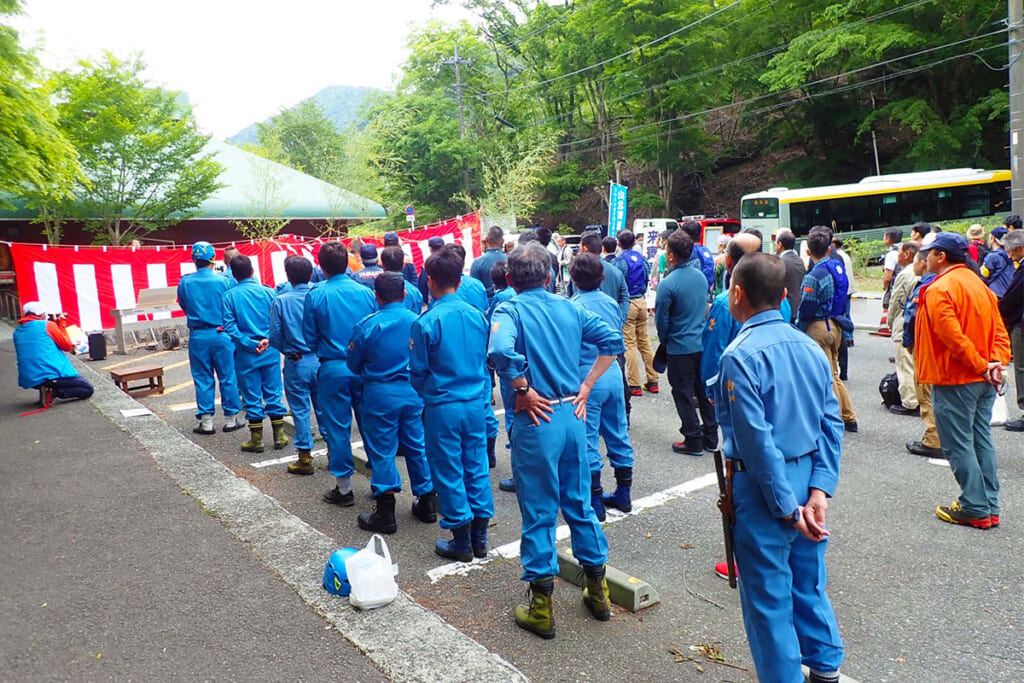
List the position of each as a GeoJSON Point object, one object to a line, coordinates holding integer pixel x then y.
{"type": "Point", "coordinates": [627, 53]}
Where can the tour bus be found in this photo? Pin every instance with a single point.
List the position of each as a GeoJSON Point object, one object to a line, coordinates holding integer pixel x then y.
{"type": "Point", "coordinates": [865, 209]}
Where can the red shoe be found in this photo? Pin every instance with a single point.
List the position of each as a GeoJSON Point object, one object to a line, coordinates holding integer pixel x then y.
{"type": "Point", "coordinates": [954, 514]}
{"type": "Point", "coordinates": [994, 519]}
{"type": "Point", "coordinates": [651, 387]}
{"type": "Point", "coordinates": [636, 391]}
{"type": "Point", "coordinates": [722, 570]}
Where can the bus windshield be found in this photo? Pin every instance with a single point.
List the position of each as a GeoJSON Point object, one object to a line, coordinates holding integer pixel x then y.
{"type": "Point", "coordinates": [763, 207]}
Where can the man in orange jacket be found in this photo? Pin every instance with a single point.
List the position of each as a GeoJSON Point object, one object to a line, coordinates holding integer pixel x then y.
{"type": "Point", "coordinates": [962, 347]}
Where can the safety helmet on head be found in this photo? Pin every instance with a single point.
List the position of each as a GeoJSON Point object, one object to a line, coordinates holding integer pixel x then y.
{"type": "Point", "coordinates": [335, 574]}
{"type": "Point", "coordinates": [203, 251]}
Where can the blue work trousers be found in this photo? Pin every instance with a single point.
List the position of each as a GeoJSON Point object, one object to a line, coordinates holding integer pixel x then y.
{"type": "Point", "coordinates": [786, 613]}
{"type": "Point", "coordinates": [549, 464]}
{"type": "Point", "coordinates": [396, 418]}
{"type": "Point", "coordinates": [606, 417]}
{"type": "Point", "coordinates": [300, 390]}
{"type": "Point", "coordinates": [339, 392]}
{"type": "Point", "coordinates": [962, 416]}
{"type": "Point", "coordinates": [457, 453]}
{"type": "Point", "coordinates": [74, 388]}
{"type": "Point", "coordinates": [210, 351]}
{"type": "Point", "coordinates": [490, 419]}
{"type": "Point", "coordinates": [259, 382]}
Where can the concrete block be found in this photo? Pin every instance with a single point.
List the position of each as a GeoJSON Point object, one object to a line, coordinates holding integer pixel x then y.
{"type": "Point", "coordinates": [624, 590]}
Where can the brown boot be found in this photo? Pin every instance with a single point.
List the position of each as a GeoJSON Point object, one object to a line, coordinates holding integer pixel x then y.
{"type": "Point", "coordinates": [304, 464]}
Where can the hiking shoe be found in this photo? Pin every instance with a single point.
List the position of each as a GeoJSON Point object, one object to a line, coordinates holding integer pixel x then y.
{"type": "Point", "coordinates": [954, 514]}
{"type": "Point", "coordinates": [651, 387]}
{"type": "Point", "coordinates": [918, 448]}
{"type": "Point", "coordinates": [336, 497]}
{"type": "Point", "coordinates": [722, 570]}
{"type": "Point", "coordinates": [507, 485]}
{"type": "Point", "coordinates": [635, 391]}
{"type": "Point", "coordinates": [900, 410]}
{"type": "Point", "coordinates": [687, 449]}
{"type": "Point", "coordinates": [1014, 425]}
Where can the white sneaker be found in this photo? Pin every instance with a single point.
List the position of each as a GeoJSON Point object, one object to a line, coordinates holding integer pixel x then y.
{"type": "Point", "coordinates": [205, 425]}
{"type": "Point", "coordinates": [233, 422]}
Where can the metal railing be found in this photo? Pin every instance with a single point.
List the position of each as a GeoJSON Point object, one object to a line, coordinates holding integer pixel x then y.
{"type": "Point", "coordinates": [10, 304]}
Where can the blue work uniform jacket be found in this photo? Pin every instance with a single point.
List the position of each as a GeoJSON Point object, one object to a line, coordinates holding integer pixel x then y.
{"type": "Point", "coordinates": [286, 321]}
{"type": "Point", "coordinates": [413, 300]}
{"type": "Point", "coordinates": [500, 296]}
{"type": "Point", "coordinates": [613, 284]}
{"type": "Point", "coordinates": [201, 296]}
{"type": "Point", "coordinates": [540, 335]}
{"type": "Point", "coordinates": [379, 350]}
{"type": "Point", "coordinates": [247, 313]}
{"type": "Point", "coordinates": [472, 292]}
{"type": "Point", "coordinates": [481, 268]}
{"type": "Point", "coordinates": [330, 313]}
{"type": "Point", "coordinates": [774, 403]}
{"type": "Point", "coordinates": [680, 307]}
{"type": "Point", "coordinates": [601, 305]}
{"type": "Point", "coordinates": [447, 356]}
{"type": "Point", "coordinates": [367, 275]}
{"type": "Point", "coordinates": [719, 332]}
{"type": "Point", "coordinates": [229, 276]}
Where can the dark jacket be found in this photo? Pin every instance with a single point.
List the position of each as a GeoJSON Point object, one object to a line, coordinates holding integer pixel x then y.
{"type": "Point", "coordinates": [795, 271]}
{"type": "Point", "coordinates": [1011, 304]}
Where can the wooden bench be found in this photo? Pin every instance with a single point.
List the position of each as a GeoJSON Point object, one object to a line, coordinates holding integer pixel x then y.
{"type": "Point", "coordinates": [154, 374]}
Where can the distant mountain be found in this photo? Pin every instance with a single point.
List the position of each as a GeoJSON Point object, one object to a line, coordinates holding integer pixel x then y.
{"type": "Point", "coordinates": [340, 103]}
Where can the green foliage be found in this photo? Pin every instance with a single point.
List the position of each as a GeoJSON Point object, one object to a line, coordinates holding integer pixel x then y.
{"type": "Point", "coordinates": [267, 200]}
{"type": "Point", "coordinates": [305, 139]}
{"type": "Point", "coordinates": [36, 160]}
{"type": "Point", "coordinates": [139, 147]}
{"type": "Point", "coordinates": [864, 252]}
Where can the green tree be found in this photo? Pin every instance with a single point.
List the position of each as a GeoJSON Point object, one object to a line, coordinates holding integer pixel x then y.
{"type": "Point", "coordinates": [139, 147]}
{"type": "Point", "coordinates": [36, 159]}
{"type": "Point", "coordinates": [305, 139]}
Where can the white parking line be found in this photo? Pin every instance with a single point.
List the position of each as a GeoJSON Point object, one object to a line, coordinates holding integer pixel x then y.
{"type": "Point", "coordinates": [511, 550]}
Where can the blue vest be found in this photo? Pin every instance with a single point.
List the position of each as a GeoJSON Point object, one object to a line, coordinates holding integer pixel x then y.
{"type": "Point", "coordinates": [39, 359]}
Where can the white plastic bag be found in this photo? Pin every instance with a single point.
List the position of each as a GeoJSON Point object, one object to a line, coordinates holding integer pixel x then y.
{"type": "Point", "coordinates": [372, 576]}
{"type": "Point", "coordinates": [1000, 413]}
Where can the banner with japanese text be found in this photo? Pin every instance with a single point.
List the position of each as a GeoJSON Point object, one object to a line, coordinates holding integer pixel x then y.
{"type": "Point", "coordinates": [616, 208]}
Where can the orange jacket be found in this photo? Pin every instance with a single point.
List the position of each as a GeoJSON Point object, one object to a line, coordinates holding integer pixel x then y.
{"type": "Point", "coordinates": [958, 330]}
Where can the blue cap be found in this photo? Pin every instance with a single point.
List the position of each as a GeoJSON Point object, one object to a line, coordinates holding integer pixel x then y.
{"type": "Point", "coordinates": [435, 242]}
{"type": "Point", "coordinates": [999, 233]}
{"type": "Point", "coordinates": [949, 242]}
{"type": "Point", "coordinates": [367, 253]}
{"type": "Point", "coordinates": [203, 251]}
{"type": "Point", "coordinates": [391, 239]}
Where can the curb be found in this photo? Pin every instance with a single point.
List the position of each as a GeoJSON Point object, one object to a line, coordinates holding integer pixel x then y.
{"type": "Point", "coordinates": [624, 590]}
{"type": "Point", "coordinates": [406, 641]}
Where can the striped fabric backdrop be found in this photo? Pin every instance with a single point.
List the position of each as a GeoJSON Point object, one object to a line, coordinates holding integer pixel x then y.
{"type": "Point", "coordinates": [88, 282]}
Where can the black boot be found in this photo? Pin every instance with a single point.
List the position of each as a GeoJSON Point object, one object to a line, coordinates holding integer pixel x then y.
{"type": "Point", "coordinates": [492, 461]}
{"type": "Point", "coordinates": [478, 536]}
{"type": "Point", "coordinates": [425, 508]}
{"type": "Point", "coordinates": [382, 519]}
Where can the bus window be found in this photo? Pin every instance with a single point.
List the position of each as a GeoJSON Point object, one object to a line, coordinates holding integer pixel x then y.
{"type": "Point", "coordinates": [945, 205]}
{"type": "Point", "coordinates": [765, 207]}
{"type": "Point", "coordinates": [975, 201]}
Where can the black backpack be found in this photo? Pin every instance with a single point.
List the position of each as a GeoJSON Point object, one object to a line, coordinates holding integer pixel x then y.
{"type": "Point", "coordinates": [889, 388]}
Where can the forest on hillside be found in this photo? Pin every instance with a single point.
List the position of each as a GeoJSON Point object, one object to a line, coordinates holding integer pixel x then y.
{"type": "Point", "coordinates": [690, 102]}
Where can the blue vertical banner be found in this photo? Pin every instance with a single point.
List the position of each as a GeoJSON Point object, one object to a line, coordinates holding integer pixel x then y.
{"type": "Point", "coordinates": [616, 208]}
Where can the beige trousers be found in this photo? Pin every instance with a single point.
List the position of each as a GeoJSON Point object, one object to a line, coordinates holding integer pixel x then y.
{"type": "Point", "coordinates": [829, 338]}
{"type": "Point", "coordinates": [924, 399]}
{"type": "Point", "coordinates": [905, 374]}
{"type": "Point", "coordinates": [636, 338]}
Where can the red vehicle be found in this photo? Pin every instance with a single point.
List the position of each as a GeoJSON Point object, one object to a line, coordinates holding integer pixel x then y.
{"type": "Point", "coordinates": [712, 227]}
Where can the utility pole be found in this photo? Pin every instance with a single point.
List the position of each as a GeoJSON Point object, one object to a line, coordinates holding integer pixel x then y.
{"type": "Point", "coordinates": [459, 86]}
{"type": "Point", "coordinates": [1015, 22]}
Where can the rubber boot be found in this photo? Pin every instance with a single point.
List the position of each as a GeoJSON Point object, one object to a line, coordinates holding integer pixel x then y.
{"type": "Point", "coordinates": [595, 593]}
{"type": "Point", "coordinates": [280, 440]}
{"type": "Point", "coordinates": [425, 508]}
{"type": "Point", "coordinates": [382, 519]}
{"type": "Point", "coordinates": [596, 497]}
{"type": "Point", "coordinates": [205, 425]}
{"type": "Point", "coordinates": [459, 548]}
{"type": "Point", "coordinates": [492, 461]}
{"type": "Point", "coordinates": [304, 464]}
{"type": "Point", "coordinates": [255, 442]}
{"type": "Point", "coordinates": [478, 536]}
{"type": "Point", "coordinates": [539, 616]}
{"type": "Point", "coordinates": [621, 500]}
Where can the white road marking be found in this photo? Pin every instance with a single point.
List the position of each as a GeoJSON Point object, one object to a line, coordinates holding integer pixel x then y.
{"type": "Point", "coordinates": [941, 462]}
{"type": "Point", "coordinates": [178, 407]}
{"type": "Point", "coordinates": [287, 458]}
{"type": "Point", "coordinates": [511, 550]}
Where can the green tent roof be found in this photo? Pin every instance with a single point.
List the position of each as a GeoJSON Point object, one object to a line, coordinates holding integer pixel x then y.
{"type": "Point", "coordinates": [255, 187]}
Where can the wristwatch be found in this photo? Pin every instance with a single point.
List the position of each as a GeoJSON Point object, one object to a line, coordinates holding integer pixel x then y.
{"type": "Point", "coordinates": [795, 519]}
{"type": "Point", "coordinates": [523, 390]}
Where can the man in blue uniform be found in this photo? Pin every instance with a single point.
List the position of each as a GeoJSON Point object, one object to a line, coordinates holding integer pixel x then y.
{"type": "Point", "coordinates": [370, 269]}
{"type": "Point", "coordinates": [257, 365]}
{"type": "Point", "coordinates": [201, 297]}
{"type": "Point", "coordinates": [447, 366]}
{"type": "Point", "coordinates": [300, 366]}
{"type": "Point", "coordinates": [329, 315]}
{"type": "Point", "coordinates": [393, 261]}
{"type": "Point", "coordinates": [379, 354]}
{"type": "Point", "coordinates": [549, 447]}
{"type": "Point", "coordinates": [39, 344]}
{"type": "Point", "coordinates": [783, 435]}
{"type": "Point", "coordinates": [606, 406]}
{"type": "Point", "coordinates": [481, 268]}
{"type": "Point", "coordinates": [679, 312]}
{"type": "Point", "coordinates": [434, 244]}
{"type": "Point", "coordinates": [408, 269]}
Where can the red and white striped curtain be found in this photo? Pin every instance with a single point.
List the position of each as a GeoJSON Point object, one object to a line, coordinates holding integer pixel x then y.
{"type": "Point", "coordinates": [88, 282]}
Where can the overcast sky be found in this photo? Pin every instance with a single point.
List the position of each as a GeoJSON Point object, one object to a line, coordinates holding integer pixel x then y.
{"type": "Point", "coordinates": [239, 61]}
